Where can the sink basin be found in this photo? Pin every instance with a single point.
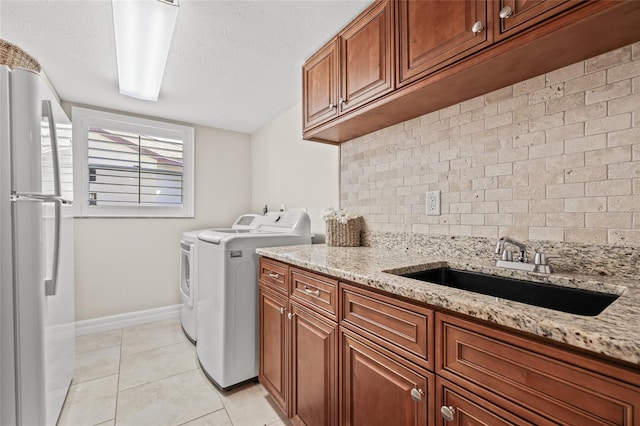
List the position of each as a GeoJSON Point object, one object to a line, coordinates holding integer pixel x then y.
{"type": "Point", "coordinates": [564, 299]}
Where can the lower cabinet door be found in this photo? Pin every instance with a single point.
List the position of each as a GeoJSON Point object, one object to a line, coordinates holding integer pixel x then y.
{"type": "Point", "coordinates": [273, 344]}
{"type": "Point", "coordinates": [380, 388]}
{"type": "Point", "coordinates": [460, 407]}
{"type": "Point", "coordinates": [314, 368]}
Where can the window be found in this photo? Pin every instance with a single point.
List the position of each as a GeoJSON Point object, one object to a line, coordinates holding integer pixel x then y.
{"type": "Point", "coordinates": [128, 166]}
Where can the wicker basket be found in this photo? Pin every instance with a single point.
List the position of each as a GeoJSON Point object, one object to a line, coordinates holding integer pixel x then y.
{"type": "Point", "coordinates": [14, 57]}
{"type": "Point", "coordinates": [343, 234]}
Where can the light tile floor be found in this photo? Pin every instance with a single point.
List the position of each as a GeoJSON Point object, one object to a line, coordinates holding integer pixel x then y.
{"type": "Point", "coordinates": [149, 375]}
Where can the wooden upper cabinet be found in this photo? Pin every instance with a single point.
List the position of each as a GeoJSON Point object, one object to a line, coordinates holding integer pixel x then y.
{"type": "Point", "coordinates": [320, 86]}
{"type": "Point", "coordinates": [434, 33]}
{"type": "Point", "coordinates": [366, 57]}
{"type": "Point", "coordinates": [514, 16]}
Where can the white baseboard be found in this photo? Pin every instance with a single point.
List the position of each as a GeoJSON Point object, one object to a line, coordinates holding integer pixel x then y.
{"type": "Point", "coordinates": [114, 322]}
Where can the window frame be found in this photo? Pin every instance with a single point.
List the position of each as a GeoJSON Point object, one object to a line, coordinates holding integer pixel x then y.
{"type": "Point", "coordinates": [83, 118]}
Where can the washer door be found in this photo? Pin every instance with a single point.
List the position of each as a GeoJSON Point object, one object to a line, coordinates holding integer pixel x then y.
{"type": "Point", "coordinates": [186, 271]}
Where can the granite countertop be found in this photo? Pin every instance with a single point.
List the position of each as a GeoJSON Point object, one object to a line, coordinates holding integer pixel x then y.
{"type": "Point", "coordinates": [615, 332]}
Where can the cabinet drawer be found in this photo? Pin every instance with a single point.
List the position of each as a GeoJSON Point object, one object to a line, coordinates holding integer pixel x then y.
{"type": "Point", "coordinates": [399, 326]}
{"type": "Point", "coordinates": [534, 375]}
{"type": "Point", "coordinates": [316, 292]}
{"type": "Point", "coordinates": [468, 408]}
{"type": "Point", "coordinates": [274, 274]}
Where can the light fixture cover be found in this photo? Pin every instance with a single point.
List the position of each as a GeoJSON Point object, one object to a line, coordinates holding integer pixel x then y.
{"type": "Point", "coordinates": [143, 31]}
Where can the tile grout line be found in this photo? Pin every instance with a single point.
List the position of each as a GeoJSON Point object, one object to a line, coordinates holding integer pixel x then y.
{"type": "Point", "coordinates": [159, 380]}
{"type": "Point", "coordinates": [115, 413]}
{"type": "Point", "coordinates": [155, 348]}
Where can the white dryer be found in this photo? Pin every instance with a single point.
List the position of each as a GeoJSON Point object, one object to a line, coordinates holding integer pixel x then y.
{"type": "Point", "coordinates": [189, 281]}
{"type": "Point", "coordinates": [227, 308]}
{"type": "Point", "coordinates": [189, 273]}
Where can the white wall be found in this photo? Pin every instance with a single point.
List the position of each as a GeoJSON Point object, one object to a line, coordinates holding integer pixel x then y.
{"type": "Point", "coordinates": [286, 169]}
{"type": "Point", "coordinates": [127, 265]}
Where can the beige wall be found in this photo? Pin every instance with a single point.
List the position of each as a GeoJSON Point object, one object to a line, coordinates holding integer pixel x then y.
{"type": "Point", "coordinates": [288, 170]}
{"type": "Point", "coordinates": [554, 158]}
{"type": "Point", "coordinates": [128, 265]}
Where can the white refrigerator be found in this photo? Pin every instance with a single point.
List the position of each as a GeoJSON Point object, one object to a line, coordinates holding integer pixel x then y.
{"type": "Point", "coordinates": [37, 313]}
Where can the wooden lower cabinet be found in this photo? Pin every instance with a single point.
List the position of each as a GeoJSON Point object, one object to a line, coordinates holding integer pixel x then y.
{"type": "Point", "coordinates": [380, 388]}
{"type": "Point", "coordinates": [536, 380]}
{"type": "Point", "coordinates": [314, 368]}
{"type": "Point", "coordinates": [372, 367]}
{"type": "Point", "coordinates": [273, 372]}
{"type": "Point", "coordinates": [467, 408]}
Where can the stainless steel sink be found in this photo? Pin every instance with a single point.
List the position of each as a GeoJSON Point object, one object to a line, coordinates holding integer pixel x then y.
{"type": "Point", "coordinates": [564, 299]}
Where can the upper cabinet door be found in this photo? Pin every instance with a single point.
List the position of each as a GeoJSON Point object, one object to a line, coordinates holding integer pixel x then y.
{"type": "Point", "coordinates": [320, 86]}
{"type": "Point", "coordinates": [435, 33]}
{"type": "Point", "coordinates": [366, 57]}
{"type": "Point", "coordinates": [517, 15]}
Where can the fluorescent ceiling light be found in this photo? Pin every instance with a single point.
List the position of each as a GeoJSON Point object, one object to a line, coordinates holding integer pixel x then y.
{"type": "Point", "coordinates": [143, 30]}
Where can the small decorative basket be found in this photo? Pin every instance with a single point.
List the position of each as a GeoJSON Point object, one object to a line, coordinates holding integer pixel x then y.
{"type": "Point", "coordinates": [343, 234]}
{"type": "Point", "coordinates": [14, 57]}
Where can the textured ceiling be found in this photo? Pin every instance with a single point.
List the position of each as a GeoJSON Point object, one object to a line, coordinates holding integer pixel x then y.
{"type": "Point", "coordinates": [232, 65]}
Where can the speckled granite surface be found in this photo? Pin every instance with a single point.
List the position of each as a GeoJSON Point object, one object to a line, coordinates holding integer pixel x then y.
{"type": "Point", "coordinates": [589, 259]}
{"type": "Point", "coordinates": [615, 332]}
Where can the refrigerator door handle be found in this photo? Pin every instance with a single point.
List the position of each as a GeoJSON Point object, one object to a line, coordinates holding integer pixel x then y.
{"type": "Point", "coordinates": [51, 284]}
{"type": "Point", "coordinates": [47, 111]}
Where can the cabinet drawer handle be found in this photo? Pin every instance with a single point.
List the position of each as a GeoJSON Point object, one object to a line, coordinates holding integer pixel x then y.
{"type": "Point", "coordinates": [282, 310]}
{"type": "Point", "coordinates": [477, 27]}
{"type": "Point", "coordinates": [311, 292]}
{"type": "Point", "coordinates": [448, 413]}
{"type": "Point", "coordinates": [331, 105]}
{"type": "Point", "coordinates": [417, 394]}
{"type": "Point", "coordinates": [274, 276]}
{"type": "Point", "coordinates": [290, 315]}
{"type": "Point", "coordinates": [506, 12]}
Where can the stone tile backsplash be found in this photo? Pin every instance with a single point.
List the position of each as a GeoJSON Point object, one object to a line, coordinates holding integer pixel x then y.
{"type": "Point", "coordinates": [555, 159]}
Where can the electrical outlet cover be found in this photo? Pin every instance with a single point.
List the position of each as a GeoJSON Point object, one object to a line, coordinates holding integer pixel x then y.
{"type": "Point", "coordinates": [433, 203]}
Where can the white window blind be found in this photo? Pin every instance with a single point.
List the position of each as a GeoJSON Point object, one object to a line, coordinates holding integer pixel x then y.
{"type": "Point", "coordinates": [133, 167]}
{"type": "Point", "coordinates": [129, 169]}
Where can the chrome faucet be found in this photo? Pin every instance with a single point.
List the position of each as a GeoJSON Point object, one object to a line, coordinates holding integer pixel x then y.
{"type": "Point", "coordinates": [506, 258]}
{"type": "Point", "coordinates": [506, 254]}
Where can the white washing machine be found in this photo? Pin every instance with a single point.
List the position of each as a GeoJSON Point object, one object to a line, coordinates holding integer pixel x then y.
{"type": "Point", "coordinates": [227, 308]}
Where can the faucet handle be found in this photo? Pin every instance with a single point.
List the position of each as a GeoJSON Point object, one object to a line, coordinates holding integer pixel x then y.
{"type": "Point", "coordinates": [542, 258]}
{"type": "Point", "coordinates": [541, 263]}
{"type": "Point", "coordinates": [507, 255]}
